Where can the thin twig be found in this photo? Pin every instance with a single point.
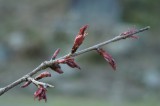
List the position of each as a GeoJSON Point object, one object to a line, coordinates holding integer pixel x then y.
{"type": "Point", "coordinates": [47, 64]}
{"type": "Point", "coordinates": [46, 85]}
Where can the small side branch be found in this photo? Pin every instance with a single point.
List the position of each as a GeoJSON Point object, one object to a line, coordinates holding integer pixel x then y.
{"type": "Point", "coordinates": [46, 85]}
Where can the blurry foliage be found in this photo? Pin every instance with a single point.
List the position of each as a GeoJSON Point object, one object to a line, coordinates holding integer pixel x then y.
{"type": "Point", "coordinates": [61, 37]}
{"type": "Point", "coordinates": [56, 100]}
{"type": "Point", "coordinates": [145, 12]}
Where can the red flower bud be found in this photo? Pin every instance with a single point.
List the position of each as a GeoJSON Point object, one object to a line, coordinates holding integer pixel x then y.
{"type": "Point", "coordinates": [107, 57]}
{"type": "Point", "coordinates": [57, 68]}
{"type": "Point", "coordinates": [127, 34]}
{"type": "Point", "coordinates": [70, 62]}
{"type": "Point", "coordinates": [55, 54]}
{"type": "Point", "coordinates": [26, 84]}
{"type": "Point", "coordinates": [43, 75]}
{"type": "Point", "coordinates": [79, 38]}
{"type": "Point", "coordinates": [40, 93]}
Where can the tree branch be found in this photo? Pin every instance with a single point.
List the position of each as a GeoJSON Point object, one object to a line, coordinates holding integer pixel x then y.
{"type": "Point", "coordinates": [47, 64]}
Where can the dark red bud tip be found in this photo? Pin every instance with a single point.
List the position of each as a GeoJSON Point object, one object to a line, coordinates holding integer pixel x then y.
{"type": "Point", "coordinates": [26, 84]}
{"type": "Point", "coordinates": [70, 62]}
{"type": "Point", "coordinates": [43, 75]}
{"type": "Point", "coordinates": [134, 37]}
{"type": "Point", "coordinates": [57, 68]}
{"type": "Point", "coordinates": [113, 64]}
{"type": "Point", "coordinates": [55, 54]}
{"type": "Point", "coordinates": [82, 30]}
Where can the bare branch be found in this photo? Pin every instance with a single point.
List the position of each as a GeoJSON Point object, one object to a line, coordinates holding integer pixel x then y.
{"type": "Point", "coordinates": [47, 64]}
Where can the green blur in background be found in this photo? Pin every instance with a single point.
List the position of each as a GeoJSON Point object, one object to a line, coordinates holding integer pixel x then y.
{"type": "Point", "coordinates": [30, 32]}
{"type": "Point", "coordinates": [69, 101]}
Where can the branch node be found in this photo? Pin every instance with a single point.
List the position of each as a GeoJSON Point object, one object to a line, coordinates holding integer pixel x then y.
{"type": "Point", "coordinates": [26, 77]}
{"type": "Point", "coordinates": [45, 85]}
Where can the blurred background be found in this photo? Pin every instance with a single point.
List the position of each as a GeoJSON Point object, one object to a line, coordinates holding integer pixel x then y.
{"type": "Point", "coordinates": [31, 30]}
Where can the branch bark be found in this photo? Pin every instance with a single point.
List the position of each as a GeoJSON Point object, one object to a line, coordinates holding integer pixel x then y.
{"type": "Point", "coordinates": [47, 64]}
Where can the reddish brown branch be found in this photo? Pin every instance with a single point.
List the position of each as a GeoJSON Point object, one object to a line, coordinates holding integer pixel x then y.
{"type": "Point", "coordinates": [47, 64]}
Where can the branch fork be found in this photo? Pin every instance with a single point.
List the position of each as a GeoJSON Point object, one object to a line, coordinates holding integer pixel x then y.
{"type": "Point", "coordinates": [38, 83]}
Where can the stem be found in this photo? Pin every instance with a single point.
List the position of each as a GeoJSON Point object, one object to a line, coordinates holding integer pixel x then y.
{"type": "Point", "coordinates": [40, 83]}
{"type": "Point", "coordinates": [47, 64]}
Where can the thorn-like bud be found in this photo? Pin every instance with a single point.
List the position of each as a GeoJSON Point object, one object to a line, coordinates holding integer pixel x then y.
{"type": "Point", "coordinates": [107, 57]}
{"type": "Point", "coordinates": [43, 75]}
{"type": "Point", "coordinates": [57, 68]}
{"type": "Point", "coordinates": [26, 84]}
{"type": "Point", "coordinates": [128, 33]}
{"type": "Point", "coordinates": [70, 62]}
{"type": "Point", "coordinates": [55, 54]}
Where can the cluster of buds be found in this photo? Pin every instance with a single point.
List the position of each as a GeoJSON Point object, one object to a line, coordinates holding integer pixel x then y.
{"type": "Point", "coordinates": [70, 61]}
{"type": "Point", "coordinates": [79, 40]}
{"type": "Point", "coordinates": [42, 87]}
{"type": "Point", "coordinates": [67, 60]}
{"type": "Point", "coordinates": [40, 93]}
